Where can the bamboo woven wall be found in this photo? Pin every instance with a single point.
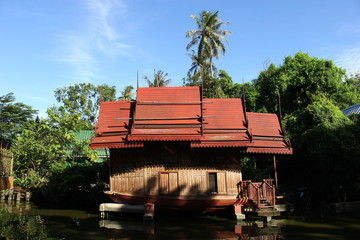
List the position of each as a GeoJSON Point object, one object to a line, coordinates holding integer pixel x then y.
{"type": "Point", "coordinates": [6, 162]}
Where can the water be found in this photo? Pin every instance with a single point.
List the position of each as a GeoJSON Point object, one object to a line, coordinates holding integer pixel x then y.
{"type": "Point", "coordinates": [78, 224]}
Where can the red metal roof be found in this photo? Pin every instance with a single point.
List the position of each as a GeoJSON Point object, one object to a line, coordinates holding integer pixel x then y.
{"type": "Point", "coordinates": [224, 114]}
{"type": "Point", "coordinates": [264, 124]}
{"type": "Point", "coordinates": [179, 114]}
{"type": "Point", "coordinates": [113, 125]}
{"type": "Point", "coordinates": [167, 114]}
{"type": "Point", "coordinates": [114, 117]}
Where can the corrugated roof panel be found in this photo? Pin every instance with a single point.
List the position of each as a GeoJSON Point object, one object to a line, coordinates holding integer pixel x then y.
{"type": "Point", "coordinates": [168, 114]}
{"type": "Point", "coordinates": [269, 143]}
{"type": "Point", "coordinates": [169, 94]}
{"type": "Point", "coordinates": [114, 117]}
{"type": "Point", "coordinates": [169, 131]}
{"type": "Point", "coordinates": [84, 135]}
{"type": "Point", "coordinates": [352, 109]}
{"type": "Point", "coordinates": [224, 114]}
{"type": "Point", "coordinates": [225, 137]}
{"type": "Point", "coordinates": [165, 110]}
{"type": "Point", "coordinates": [163, 138]}
{"type": "Point", "coordinates": [264, 124]}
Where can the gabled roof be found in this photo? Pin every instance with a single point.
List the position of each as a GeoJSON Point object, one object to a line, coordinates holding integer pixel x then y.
{"type": "Point", "coordinates": [180, 114]}
{"type": "Point", "coordinates": [166, 114]}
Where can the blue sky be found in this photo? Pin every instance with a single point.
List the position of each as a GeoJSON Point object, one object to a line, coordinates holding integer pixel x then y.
{"type": "Point", "coordinates": [45, 44]}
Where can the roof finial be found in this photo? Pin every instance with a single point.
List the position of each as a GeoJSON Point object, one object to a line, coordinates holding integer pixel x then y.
{"type": "Point", "coordinates": [137, 80]}
{"type": "Point", "coordinates": [244, 105]}
{"type": "Point", "coordinates": [101, 95]}
{"type": "Point", "coordinates": [280, 114]}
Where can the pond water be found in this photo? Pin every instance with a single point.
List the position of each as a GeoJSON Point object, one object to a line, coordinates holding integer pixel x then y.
{"type": "Point", "coordinates": [79, 224]}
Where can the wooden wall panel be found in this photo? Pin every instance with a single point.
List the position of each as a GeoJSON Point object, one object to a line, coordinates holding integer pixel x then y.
{"type": "Point", "coordinates": [164, 183]}
{"type": "Point", "coordinates": [129, 182]}
{"type": "Point", "coordinates": [221, 182]}
{"type": "Point", "coordinates": [154, 180]}
{"type": "Point", "coordinates": [173, 183]}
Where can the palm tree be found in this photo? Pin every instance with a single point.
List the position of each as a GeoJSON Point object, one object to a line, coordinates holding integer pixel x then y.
{"type": "Point", "coordinates": [160, 79]}
{"type": "Point", "coordinates": [209, 37]}
{"type": "Point", "coordinates": [127, 93]}
{"type": "Point", "coordinates": [199, 65]}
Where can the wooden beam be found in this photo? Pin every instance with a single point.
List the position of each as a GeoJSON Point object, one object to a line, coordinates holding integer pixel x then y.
{"type": "Point", "coordinates": [275, 173]}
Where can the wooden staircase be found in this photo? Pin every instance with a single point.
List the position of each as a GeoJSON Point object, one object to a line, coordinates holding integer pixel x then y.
{"type": "Point", "coordinates": [261, 194]}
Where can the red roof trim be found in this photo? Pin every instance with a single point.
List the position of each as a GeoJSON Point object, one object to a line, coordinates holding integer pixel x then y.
{"type": "Point", "coordinates": [163, 138]}
{"type": "Point", "coordinates": [270, 150]}
{"type": "Point", "coordinates": [117, 145]}
{"type": "Point", "coordinates": [217, 144]}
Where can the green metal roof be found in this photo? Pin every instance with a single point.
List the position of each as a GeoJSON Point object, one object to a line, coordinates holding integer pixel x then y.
{"type": "Point", "coordinates": [86, 135]}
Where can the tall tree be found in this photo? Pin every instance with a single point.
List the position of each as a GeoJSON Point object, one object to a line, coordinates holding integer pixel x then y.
{"type": "Point", "coordinates": [84, 98]}
{"type": "Point", "coordinates": [12, 117]}
{"type": "Point", "coordinates": [127, 93]}
{"type": "Point", "coordinates": [299, 79]}
{"type": "Point", "coordinates": [313, 92]}
{"type": "Point", "coordinates": [160, 79]}
{"type": "Point", "coordinates": [209, 38]}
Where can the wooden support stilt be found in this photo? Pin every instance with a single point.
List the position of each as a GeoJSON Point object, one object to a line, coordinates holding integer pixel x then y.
{"type": "Point", "coordinates": [238, 211]}
{"type": "Point", "coordinates": [275, 173]}
{"type": "Point", "coordinates": [27, 196]}
{"type": "Point", "coordinates": [10, 195]}
{"type": "Point", "coordinates": [18, 196]}
{"type": "Point", "coordinates": [149, 212]}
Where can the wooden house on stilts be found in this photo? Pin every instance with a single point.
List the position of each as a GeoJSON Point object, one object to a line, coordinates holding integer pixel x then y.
{"type": "Point", "coordinates": [172, 148]}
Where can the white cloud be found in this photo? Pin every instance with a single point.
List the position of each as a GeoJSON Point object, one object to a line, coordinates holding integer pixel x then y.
{"type": "Point", "coordinates": [103, 14]}
{"type": "Point", "coordinates": [349, 59]}
{"type": "Point", "coordinates": [99, 38]}
{"type": "Point", "coordinates": [37, 98]}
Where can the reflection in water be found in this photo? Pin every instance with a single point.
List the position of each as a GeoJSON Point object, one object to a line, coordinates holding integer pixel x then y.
{"type": "Point", "coordinates": [221, 230]}
{"type": "Point", "coordinates": [77, 224]}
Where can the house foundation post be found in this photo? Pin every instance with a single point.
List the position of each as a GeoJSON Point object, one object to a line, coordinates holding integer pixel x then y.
{"type": "Point", "coordinates": [149, 212]}
{"type": "Point", "coordinates": [238, 211]}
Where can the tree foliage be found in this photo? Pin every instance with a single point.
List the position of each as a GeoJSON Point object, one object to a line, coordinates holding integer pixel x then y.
{"type": "Point", "coordinates": [13, 115]}
{"type": "Point", "coordinates": [84, 99]}
{"type": "Point", "coordinates": [22, 227]}
{"type": "Point", "coordinates": [160, 79]}
{"type": "Point", "coordinates": [313, 92]}
{"type": "Point", "coordinates": [44, 146]}
{"type": "Point", "coordinates": [301, 81]}
{"type": "Point", "coordinates": [209, 39]}
{"type": "Point", "coordinates": [126, 93]}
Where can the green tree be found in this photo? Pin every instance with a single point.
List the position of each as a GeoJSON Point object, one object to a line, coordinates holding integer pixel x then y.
{"type": "Point", "coordinates": [300, 78]}
{"type": "Point", "coordinates": [160, 79]}
{"type": "Point", "coordinates": [313, 92]}
{"type": "Point", "coordinates": [127, 93]}
{"type": "Point", "coordinates": [13, 115]}
{"type": "Point", "coordinates": [209, 37]}
{"type": "Point", "coordinates": [84, 99]}
{"type": "Point", "coordinates": [43, 147]}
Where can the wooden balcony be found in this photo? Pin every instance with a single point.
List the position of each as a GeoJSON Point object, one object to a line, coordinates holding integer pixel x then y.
{"type": "Point", "coordinates": [262, 194]}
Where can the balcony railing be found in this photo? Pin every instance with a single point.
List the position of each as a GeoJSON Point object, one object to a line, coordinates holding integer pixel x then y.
{"type": "Point", "coordinates": [260, 193]}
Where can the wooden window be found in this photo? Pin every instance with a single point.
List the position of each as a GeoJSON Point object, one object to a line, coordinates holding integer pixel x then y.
{"type": "Point", "coordinates": [217, 182]}
{"type": "Point", "coordinates": [168, 183]}
{"type": "Point", "coordinates": [213, 187]}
